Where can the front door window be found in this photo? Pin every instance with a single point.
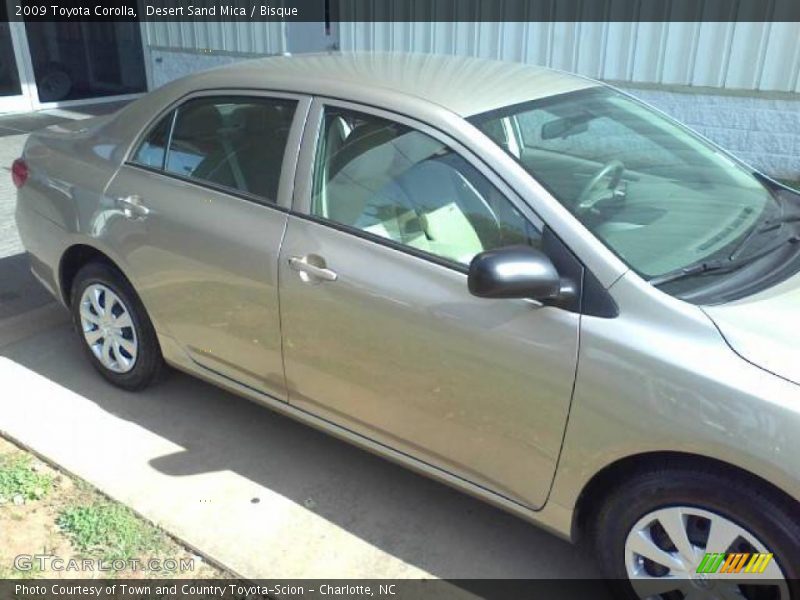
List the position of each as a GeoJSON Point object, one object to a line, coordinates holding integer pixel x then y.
{"type": "Point", "coordinates": [394, 182]}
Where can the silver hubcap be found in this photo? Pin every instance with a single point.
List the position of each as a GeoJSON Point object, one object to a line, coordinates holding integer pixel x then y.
{"type": "Point", "coordinates": [108, 328]}
{"type": "Point", "coordinates": [665, 548]}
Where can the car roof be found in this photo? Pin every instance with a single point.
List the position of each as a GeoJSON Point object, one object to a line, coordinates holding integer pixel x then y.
{"type": "Point", "coordinates": [420, 85]}
{"type": "Point", "coordinates": [466, 86]}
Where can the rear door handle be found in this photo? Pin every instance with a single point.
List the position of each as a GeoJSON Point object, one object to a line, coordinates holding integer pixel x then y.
{"type": "Point", "coordinates": [303, 266]}
{"type": "Point", "coordinates": [132, 207]}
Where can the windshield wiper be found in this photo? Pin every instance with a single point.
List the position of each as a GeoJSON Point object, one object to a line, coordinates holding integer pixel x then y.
{"type": "Point", "coordinates": [767, 225]}
{"type": "Point", "coordinates": [722, 265]}
{"type": "Point", "coordinates": [771, 224]}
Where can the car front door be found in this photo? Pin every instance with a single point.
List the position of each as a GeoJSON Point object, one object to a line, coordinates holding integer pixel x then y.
{"type": "Point", "coordinates": [199, 211]}
{"type": "Point", "coordinates": [380, 332]}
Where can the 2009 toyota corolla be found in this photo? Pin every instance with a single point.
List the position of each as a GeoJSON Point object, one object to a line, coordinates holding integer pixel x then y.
{"type": "Point", "coordinates": [520, 282]}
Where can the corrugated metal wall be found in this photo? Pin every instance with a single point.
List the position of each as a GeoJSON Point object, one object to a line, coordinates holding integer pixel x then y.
{"type": "Point", "coordinates": [244, 38]}
{"type": "Point", "coordinates": [673, 57]}
{"type": "Point", "coordinates": [745, 56]}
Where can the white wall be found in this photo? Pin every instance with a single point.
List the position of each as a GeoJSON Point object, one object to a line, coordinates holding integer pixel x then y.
{"type": "Point", "coordinates": [267, 37]}
{"type": "Point", "coordinates": [174, 49]}
{"type": "Point", "coordinates": [741, 56]}
{"type": "Point", "coordinates": [737, 83]}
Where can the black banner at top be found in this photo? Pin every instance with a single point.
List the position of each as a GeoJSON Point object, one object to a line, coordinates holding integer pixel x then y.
{"type": "Point", "coordinates": [406, 10]}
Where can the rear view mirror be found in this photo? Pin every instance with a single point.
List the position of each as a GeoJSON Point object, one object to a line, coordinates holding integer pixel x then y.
{"type": "Point", "coordinates": [561, 128]}
{"type": "Point", "coordinates": [514, 272]}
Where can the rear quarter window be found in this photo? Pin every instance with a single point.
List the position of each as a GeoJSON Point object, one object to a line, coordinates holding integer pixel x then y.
{"type": "Point", "coordinates": [151, 152]}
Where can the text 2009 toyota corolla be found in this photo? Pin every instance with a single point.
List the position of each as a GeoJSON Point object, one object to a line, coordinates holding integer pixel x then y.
{"type": "Point", "coordinates": [520, 282]}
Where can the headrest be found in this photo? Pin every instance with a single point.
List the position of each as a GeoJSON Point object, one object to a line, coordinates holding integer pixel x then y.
{"type": "Point", "coordinates": [198, 121]}
{"type": "Point", "coordinates": [262, 118]}
{"type": "Point", "coordinates": [372, 142]}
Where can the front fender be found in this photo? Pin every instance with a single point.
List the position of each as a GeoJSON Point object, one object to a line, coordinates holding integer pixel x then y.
{"type": "Point", "coordinates": [660, 378]}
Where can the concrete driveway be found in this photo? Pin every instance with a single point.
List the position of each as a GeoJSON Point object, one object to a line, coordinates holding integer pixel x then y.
{"type": "Point", "coordinates": [262, 495]}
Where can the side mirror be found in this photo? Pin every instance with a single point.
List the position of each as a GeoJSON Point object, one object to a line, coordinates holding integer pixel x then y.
{"type": "Point", "coordinates": [514, 272]}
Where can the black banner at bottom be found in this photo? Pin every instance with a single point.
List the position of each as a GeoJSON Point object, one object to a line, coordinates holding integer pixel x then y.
{"type": "Point", "coordinates": [343, 589]}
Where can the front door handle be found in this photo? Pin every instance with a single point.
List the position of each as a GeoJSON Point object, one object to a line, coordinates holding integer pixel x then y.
{"type": "Point", "coordinates": [304, 266]}
{"type": "Point", "coordinates": [132, 207]}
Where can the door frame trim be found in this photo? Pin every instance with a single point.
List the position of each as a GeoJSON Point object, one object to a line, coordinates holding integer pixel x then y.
{"type": "Point", "coordinates": [25, 101]}
{"type": "Point", "coordinates": [28, 100]}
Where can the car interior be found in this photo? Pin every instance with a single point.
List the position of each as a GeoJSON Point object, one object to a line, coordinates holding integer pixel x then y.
{"type": "Point", "coordinates": [638, 184]}
{"type": "Point", "coordinates": [394, 182]}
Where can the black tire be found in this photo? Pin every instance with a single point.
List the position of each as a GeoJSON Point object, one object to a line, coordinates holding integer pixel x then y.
{"type": "Point", "coordinates": [149, 363]}
{"type": "Point", "coordinates": [771, 517]}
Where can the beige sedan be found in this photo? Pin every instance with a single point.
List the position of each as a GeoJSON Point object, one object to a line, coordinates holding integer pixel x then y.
{"type": "Point", "coordinates": [523, 283]}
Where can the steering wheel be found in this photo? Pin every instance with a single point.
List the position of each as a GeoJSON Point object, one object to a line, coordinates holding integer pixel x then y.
{"type": "Point", "coordinates": [589, 197]}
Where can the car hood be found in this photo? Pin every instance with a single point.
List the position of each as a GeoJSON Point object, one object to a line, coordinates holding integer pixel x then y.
{"type": "Point", "coordinates": [765, 328]}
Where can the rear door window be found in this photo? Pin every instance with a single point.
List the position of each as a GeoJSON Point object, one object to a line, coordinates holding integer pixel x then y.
{"type": "Point", "coordinates": [232, 142]}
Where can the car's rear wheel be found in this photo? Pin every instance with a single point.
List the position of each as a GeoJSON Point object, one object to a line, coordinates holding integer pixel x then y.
{"type": "Point", "coordinates": [654, 531]}
{"type": "Point", "coordinates": [114, 328]}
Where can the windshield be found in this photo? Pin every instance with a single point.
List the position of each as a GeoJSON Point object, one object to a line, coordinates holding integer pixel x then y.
{"type": "Point", "coordinates": [660, 197]}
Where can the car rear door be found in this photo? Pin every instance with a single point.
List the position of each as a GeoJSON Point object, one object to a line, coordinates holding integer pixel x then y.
{"type": "Point", "coordinates": [380, 332]}
{"type": "Point", "coordinates": [198, 213]}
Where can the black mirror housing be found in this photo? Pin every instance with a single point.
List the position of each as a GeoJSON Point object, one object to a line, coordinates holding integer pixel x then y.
{"type": "Point", "coordinates": [514, 272]}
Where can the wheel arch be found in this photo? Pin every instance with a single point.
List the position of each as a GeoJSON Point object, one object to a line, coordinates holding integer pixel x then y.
{"type": "Point", "coordinates": [624, 469]}
{"type": "Point", "coordinates": [76, 257]}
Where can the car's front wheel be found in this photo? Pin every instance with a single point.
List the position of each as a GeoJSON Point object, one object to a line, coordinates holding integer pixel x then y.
{"type": "Point", "coordinates": [116, 333]}
{"type": "Point", "coordinates": [674, 533]}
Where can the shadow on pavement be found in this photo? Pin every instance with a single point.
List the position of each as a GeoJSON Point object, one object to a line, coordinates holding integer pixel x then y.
{"type": "Point", "coordinates": [20, 292]}
{"type": "Point", "coordinates": [422, 522]}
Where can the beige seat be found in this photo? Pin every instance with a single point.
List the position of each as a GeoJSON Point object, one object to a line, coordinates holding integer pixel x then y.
{"type": "Point", "coordinates": [391, 184]}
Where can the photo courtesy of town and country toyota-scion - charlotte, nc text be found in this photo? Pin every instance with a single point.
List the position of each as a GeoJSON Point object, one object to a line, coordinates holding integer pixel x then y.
{"type": "Point", "coordinates": [235, 590]}
{"type": "Point", "coordinates": [69, 11]}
